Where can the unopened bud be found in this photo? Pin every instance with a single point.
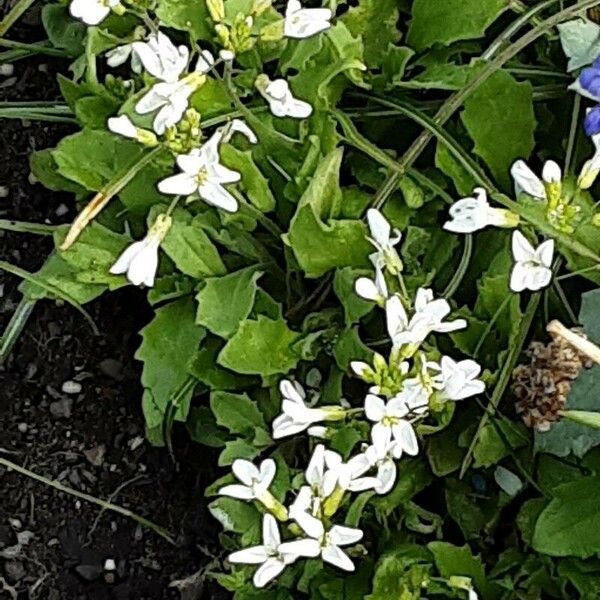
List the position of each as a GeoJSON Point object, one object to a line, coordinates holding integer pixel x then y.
{"type": "Point", "coordinates": [216, 8]}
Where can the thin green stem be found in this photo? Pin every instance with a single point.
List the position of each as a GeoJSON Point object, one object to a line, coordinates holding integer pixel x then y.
{"type": "Point", "coordinates": [161, 531]}
{"type": "Point", "coordinates": [27, 276]}
{"type": "Point", "coordinates": [23, 227]}
{"type": "Point", "coordinates": [14, 15]}
{"type": "Point", "coordinates": [573, 129]}
{"type": "Point", "coordinates": [15, 327]}
{"type": "Point", "coordinates": [461, 270]}
{"type": "Point", "coordinates": [504, 376]}
{"type": "Point", "coordinates": [34, 48]}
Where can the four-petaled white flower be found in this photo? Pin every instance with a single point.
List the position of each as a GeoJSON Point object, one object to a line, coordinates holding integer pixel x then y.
{"type": "Point", "coordinates": [140, 259]}
{"type": "Point", "coordinates": [373, 289]}
{"type": "Point", "coordinates": [161, 58]}
{"type": "Point", "coordinates": [280, 98]}
{"type": "Point", "coordinates": [390, 424]}
{"type": "Point", "coordinates": [527, 181]}
{"type": "Point", "coordinates": [305, 22]}
{"type": "Point", "coordinates": [203, 174]}
{"type": "Point", "coordinates": [384, 242]}
{"type": "Point", "coordinates": [533, 266]}
{"type": "Point", "coordinates": [474, 213]}
{"type": "Point", "coordinates": [170, 99]}
{"type": "Point", "coordinates": [296, 416]}
{"type": "Point", "coordinates": [92, 12]}
{"type": "Point", "coordinates": [458, 380]}
{"type": "Point", "coordinates": [327, 545]}
{"type": "Point", "coordinates": [428, 317]}
{"type": "Point", "coordinates": [255, 482]}
{"type": "Point", "coordinates": [270, 555]}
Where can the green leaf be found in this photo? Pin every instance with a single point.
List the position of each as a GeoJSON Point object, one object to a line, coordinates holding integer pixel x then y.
{"type": "Point", "coordinates": [566, 436]}
{"type": "Point", "coordinates": [187, 15]}
{"type": "Point", "coordinates": [63, 31]}
{"type": "Point", "coordinates": [235, 449]}
{"type": "Point", "coordinates": [253, 182]}
{"type": "Point", "coordinates": [238, 517]}
{"type": "Point", "coordinates": [583, 417]}
{"type": "Point", "coordinates": [374, 21]}
{"type": "Point", "coordinates": [92, 158]}
{"type": "Point", "coordinates": [580, 40]}
{"type": "Point", "coordinates": [454, 560]}
{"type": "Point", "coordinates": [260, 347]}
{"type": "Point", "coordinates": [496, 440]}
{"type": "Point", "coordinates": [236, 412]}
{"type": "Point", "coordinates": [349, 347]}
{"type": "Point", "coordinates": [319, 241]}
{"type": "Point", "coordinates": [224, 302]}
{"type": "Point", "coordinates": [499, 118]}
{"type": "Point", "coordinates": [568, 526]}
{"type": "Point", "coordinates": [44, 167]}
{"type": "Point", "coordinates": [588, 315]}
{"type": "Point", "coordinates": [192, 251]}
{"type": "Point", "coordinates": [343, 286]}
{"type": "Point", "coordinates": [203, 429]}
{"type": "Point", "coordinates": [169, 341]}
{"type": "Point", "coordinates": [446, 22]}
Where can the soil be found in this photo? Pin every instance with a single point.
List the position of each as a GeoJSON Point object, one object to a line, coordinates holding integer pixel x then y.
{"type": "Point", "coordinates": [70, 411]}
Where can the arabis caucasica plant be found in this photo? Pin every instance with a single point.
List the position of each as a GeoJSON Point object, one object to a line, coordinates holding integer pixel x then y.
{"type": "Point", "coordinates": [350, 220]}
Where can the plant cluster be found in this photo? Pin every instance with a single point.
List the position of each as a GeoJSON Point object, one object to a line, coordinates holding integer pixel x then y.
{"type": "Point", "coordinates": [324, 315]}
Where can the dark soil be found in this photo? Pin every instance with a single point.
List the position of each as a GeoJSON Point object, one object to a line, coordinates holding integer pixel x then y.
{"type": "Point", "coordinates": [90, 440]}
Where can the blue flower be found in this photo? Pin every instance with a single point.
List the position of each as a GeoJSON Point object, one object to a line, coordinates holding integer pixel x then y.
{"type": "Point", "coordinates": [592, 121]}
{"type": "Point", "coordinates": [590, 80]}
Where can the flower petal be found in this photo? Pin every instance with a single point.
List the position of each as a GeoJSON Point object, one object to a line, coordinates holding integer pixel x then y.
{"type": "Point", "coordinates": [344, 536]}
{"type": "Point", "coordinates": [241, 492]}
{"type": "Point", "coordinates": [308, 547]}
{"type": "Point", "coordinates": [526, 180]}
{"type": "Point", "coordinates": [249, 556]}
{"type": "Point", "coordinates": [270, 569]}
{"type": "Point", "coordinates": [178, 185]}
{"type": "Point", "coordinates": [379, 227]}
{"type": "Point", "coordinates": [270, 532]}
{"type": "Point", "coordinates": [335, 556]}
{"type": "Point", "coordinates": [218, 196]}
{"type": "Point", "coordinates": [245, 471]}
{"type": "Point", "coordinates": [374, 408]}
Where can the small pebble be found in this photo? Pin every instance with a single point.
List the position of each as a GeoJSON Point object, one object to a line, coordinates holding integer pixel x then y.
{"type": "Point", "coordinates": [71, 387]}
{"type": "Point", "coordinates": [32, 178]}
{"type": "Point", "coordinates": [110, 565]}
{"type": "Point", "coordinates": [6, 69]}
{"type": "Point", "coordinates": [4, 191]}
{"type": "Point", "coordinates": [22, 427]}
{"type": "Point", "coordinates": [62, 210]}
{"type": "Point", "coordinates": [43, 68]}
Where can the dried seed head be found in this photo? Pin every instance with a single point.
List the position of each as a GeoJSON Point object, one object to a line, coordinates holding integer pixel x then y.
{"type": "Point", "coordinates": [542, 386]}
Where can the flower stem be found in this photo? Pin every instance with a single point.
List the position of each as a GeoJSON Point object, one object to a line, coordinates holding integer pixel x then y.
{"type": "Point", "coordinates": [14, 15]}
{"type": "Point", "coordinates": [87, 497]}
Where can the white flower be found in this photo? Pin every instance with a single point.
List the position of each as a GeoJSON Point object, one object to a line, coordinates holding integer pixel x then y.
{"type": "Point", "coordinates": [390, 424]}
{"type": "Point", "coordinates": [92, 12]}
{"type": "Point", "coordinates": [429, 316]}
{"type": "Point", "coordinates": [281, 101]}
{"type": "Point", "coordinates": [255, 482]}
{"type": "Point", "coordinates": [161, 58]}
{"type": "Point", "coordinates": [304, 509]}
{"type": "Point", "coordinates": [533, 266]}
{"type": "Point", "coordinates": [591, 168]}
{"type": "Point", "coordinates": [236, 126]}
{"type": "Point", "coordinates": [527, 181]}
{"type": "Point", "coordinates": [373, 289]}
{"type": "Point", "coordinates": [123, 126]}
{"type": "Point", "coordinates": [140, 259]}
{"type": "Point", "coordinates": [381, 238]}
{"type": "Point", "coordinates": [270, 555]}
{"type": "Point", "coordinates": [296, 415]}
{"type": "Point", "coordinates": [474, 213]}
{"type": "Point", "coordinates": [414, 394]}
{"type": "Point", "coordinates": [204, 175]}
{"type": "Point", "coordinates": [305, 22]}
{"type": "Point", "coordinates": [117, 56]}
{"type": "Point", "coordinates": [327, 545]}
{"type": "Point", "coordinates": [459, 379]}
{"type": "Point", "coordinates": [226, 55]}
{"type": "Point", "coordinates": [384, 458]}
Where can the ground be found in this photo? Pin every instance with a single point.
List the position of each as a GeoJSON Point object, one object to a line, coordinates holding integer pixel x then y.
{"type": "Point", "coordinates": [90, 440]}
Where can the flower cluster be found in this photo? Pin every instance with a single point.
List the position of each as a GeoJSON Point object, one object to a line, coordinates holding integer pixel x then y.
{"type": "Point", "coordinates": [412, 385]}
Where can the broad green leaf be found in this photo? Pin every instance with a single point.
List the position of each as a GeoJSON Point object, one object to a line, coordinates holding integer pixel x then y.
{"type": "Point", "coordinates": [448, 164]}
{"type": "Point", "coordinates": [192, 251]}
{"type": "Point", "coordinates": [92, 158]}
{"type": "Point", "coordinates": [454, 560]}
{"type": "Point", "coordinates": [45, 169]}
{"type": "Point", "coordinates": [260, 347]}
{"type": "Point", "coordinates": [169, 342]}
{"type": "Point", "coordinates": [499, 118]}
{"type": "Point", "coordinates": [568, 526]}
{"type": "Point", "coordinates": [235, 449]}
{"type": "Point", "coordinates": [203, 429]}
{"type": "Point", "coordinates": [94, 253]}
{"type": "Point", "coordinates": [496, 440]}
{"type": "Point", "coordinates": [580, 40]}
{"type": "Point", "coordinates": [374, 21]}
{"type": "Point", "coordinates": [343, 285]}
{"type": "Point", "coordinates": [565, 436]}
{"type": "Point", "coordinates": [349, 347]}
{"type": "Point", "coordinates": [224, 302]}
{"type": "Point", "coordinates": [187, 15]}
{"type": "Point", "coordinates": [238, 517]}
{"type": "Point", "coordinates": [253, 181]}
{"type": "Point", "coordinates": [590, 313]}
{"type": "Point", "coordinates": [446, 22]}
{"type": "Point", "coordinates": [321, 242]}
{"type": "Point", "coordinates": [63, 31]}
{"type": "Point", "coordinates": [236, 412]}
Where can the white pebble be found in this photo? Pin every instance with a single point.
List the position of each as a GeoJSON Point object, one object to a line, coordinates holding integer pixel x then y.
{"type": "Point", "coordinates": [110, 565]}
{"type": "Point", "coordinates": [71, 387]}
{"type": "Point", "coordinates": [7, 69]}
{"type": "Point", "coordinates": [3, 191]}
{"type": "Point", "coordinates": [62, 210]}
{"type": "Point", "coordinates": [22, 427]}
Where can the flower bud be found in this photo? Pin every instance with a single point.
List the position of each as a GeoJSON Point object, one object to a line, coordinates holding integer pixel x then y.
{"type": "Point", "coordinates": [216, 8]}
